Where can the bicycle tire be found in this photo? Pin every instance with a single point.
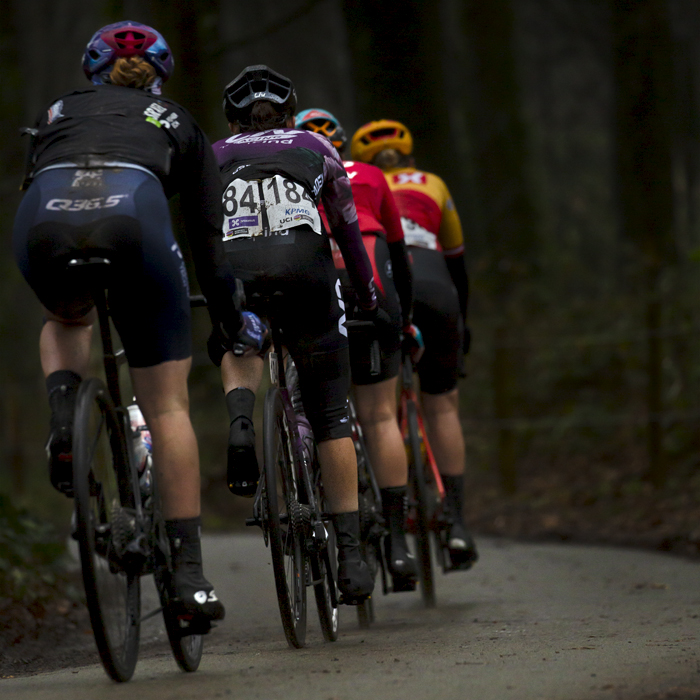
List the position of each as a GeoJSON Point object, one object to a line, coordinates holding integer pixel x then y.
{"type": "Point", "coordinates": [328, 614]}
{"type": "Point", "coordinates": [186, 649]}
{"type": "Point", "coordinates": [286, 537]}
{"type": "Point", "coordinates": [104, 502]}
{"type": "Point", "coordinates": [423, 515]}
{"type": "Point", "coordinates": [369, 541]}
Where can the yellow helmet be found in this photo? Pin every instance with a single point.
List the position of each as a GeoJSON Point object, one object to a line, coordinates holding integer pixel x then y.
{"type": "Point", "coordinates": [371, 138]}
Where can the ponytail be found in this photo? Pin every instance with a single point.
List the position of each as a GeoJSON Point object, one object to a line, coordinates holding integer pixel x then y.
{"type": "Point", "coordinates": [133, 72]}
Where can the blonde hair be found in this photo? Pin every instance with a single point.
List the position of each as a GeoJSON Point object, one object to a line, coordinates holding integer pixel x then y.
{"type": "Point", "coordinates": [132, 72]}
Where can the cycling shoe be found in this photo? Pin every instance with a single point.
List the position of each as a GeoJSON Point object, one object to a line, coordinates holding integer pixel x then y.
{"type": "Point", "coordinates": [191, 597]}
{"type": "Point", "coordinates": [401, 563]}
{"type": "Point", "coordinates": [461, 548]}
{"type": "Point", "coordinates": [355, 581]}
{"type": "Point", "coordinates": [242, 471]}
{"type": "Point", "coordinates": [193, 601]}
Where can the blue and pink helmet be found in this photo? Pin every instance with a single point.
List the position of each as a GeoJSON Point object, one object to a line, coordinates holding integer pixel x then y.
{"type": "Point", "coordinates": [323, 122]}
{"type": "Point", "coordinates": [124, 39]}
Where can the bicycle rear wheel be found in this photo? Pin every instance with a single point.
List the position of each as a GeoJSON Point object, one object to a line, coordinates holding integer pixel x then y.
{"type": "Point", "coordinates": [105, 522]}
{"type": "Point", "coordinates": [418, 483]}
{"type": "Point", "coordinates": [286, 534]}
{"type": "Point", "coordinates": [324, 571]}
{"type": "Point", "coordinates": [371, 528]}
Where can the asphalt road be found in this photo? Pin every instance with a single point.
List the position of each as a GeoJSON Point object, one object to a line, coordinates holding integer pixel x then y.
{"type": "Point", "coordinates": [529, 621]}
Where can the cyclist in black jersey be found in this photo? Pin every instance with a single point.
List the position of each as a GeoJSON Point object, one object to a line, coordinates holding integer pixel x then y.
{"type": "Point", "coordinates": [274, 176]}
{"type": "Point", "coordinates": [104, 160]}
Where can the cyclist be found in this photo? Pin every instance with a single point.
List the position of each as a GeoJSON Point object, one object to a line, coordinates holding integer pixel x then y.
{"type": "Point", "coordinates": [434, 235]}
{"type": "Point", "coordinates": [273, 177]}
{"type": "Point", "coordinates": [375, 396]}
{"type": "Point", "coordinates": [103, 161]}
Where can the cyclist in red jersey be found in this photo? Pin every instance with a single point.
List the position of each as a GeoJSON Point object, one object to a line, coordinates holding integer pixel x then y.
{"type": "Point", "coordinates": [434, 235]}
{"type": "Point", "coordinates": [375, 396]}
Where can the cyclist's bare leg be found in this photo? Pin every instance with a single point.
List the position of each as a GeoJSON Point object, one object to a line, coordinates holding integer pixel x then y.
{"type": "Point", "coordinates": [161, 392]}
{"type": "Point", "coordinates": [339, 474]}
{"type": "Point", "coordinates": [65, 344]}
{"type": "Point", "coordinates": [241, 372]}
{"type": "Point", "coordinates": [441, 412]}
{"type": "Point", "coordinates": [447, 442]}
{"type": "Point", "coordinates": [376, 410]}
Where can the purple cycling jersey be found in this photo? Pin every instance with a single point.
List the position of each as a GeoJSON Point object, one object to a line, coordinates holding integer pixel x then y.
{"type": "Point", "coordinates": [311, 160]}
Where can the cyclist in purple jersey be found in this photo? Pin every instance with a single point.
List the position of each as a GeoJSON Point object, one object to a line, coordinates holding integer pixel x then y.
{"type": "Point", "coordinates": [274, 176]}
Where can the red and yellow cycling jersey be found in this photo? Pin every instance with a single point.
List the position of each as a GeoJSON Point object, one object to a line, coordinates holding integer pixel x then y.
{"type": "Point", "coordinates": [428, 214]}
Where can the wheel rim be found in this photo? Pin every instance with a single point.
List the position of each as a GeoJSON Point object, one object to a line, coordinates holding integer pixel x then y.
{"type": "Point", "coordinates": [104, 524]}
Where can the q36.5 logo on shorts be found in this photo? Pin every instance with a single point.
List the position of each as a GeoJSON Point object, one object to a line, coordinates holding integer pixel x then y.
{"type": "Point", "coordinates": [85, 204]}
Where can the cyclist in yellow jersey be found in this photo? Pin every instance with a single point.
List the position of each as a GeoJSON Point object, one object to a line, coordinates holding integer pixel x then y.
{"type": "Point", "coordinates": [433, 232]}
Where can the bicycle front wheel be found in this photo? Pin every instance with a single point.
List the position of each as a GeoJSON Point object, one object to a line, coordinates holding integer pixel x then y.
{"type": "Point", "coordinates": [417, 480]}
{"type": "Point", "coordinates": [105, 524]}
{"type": "Point", "coordinates": [286, 534]}
{"type": "Point", "coordinates": [187, 648]}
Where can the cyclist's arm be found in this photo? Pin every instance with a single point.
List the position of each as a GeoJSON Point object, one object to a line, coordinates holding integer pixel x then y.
{"type": "Point", "coordinates": [342, 218]}
{"type": "Point", "coordinates": [458, 272]}
{"type": "Point", "coordinates": [201, 200]}
{"type": "Point", "coordinates": [398, 251]}
{"type": "Point", "coordinates": [452, 241]}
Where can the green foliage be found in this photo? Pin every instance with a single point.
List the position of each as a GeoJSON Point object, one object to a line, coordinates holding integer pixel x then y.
{"type": "Point", "coordinates": [33, 561]}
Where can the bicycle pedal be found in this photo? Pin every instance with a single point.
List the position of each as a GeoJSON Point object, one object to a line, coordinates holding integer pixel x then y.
{"type": "Point", "coordinates": [189, 624]}
{"type": "Point", "coordinates": [353, 601]}
{"type": "Point", "coordinates": [403, 585]}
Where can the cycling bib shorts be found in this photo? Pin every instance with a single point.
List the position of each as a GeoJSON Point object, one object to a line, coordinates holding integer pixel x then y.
{"type": "Point", "coordinates": [298, 263]}
{"type": "Point", "coordinates": [120, 214]}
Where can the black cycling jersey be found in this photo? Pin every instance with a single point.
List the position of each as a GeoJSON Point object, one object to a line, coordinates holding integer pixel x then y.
{"type": "Point", "coordinates": [103, 125]}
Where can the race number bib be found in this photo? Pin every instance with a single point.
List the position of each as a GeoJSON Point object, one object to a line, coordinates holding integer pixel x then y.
{"type": "Point", "coordinates": [267, 207]}
{"type": "Point", "coordinates": [415, 234]}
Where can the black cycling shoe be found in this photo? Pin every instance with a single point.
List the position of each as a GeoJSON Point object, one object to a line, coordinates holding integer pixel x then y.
{"type": "Point", "coordinates": [242, 471]}
{"type": "Point", "coordinates": [401, 563]}
{"type": "Point", "coordinates": [461, 548]}
{"type": "Point", "coordinates": [191, 597]}
{"type": "Point", "coordinates": [63, 388]}
{"type": "Point", "coordinates": [355, 581]}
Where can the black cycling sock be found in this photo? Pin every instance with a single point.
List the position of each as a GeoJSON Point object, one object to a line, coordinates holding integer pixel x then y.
{"type": "Point", "coordinates": [240, 402]}
{"type": "Point", "coordinates": [62, 377]}
{"type": "Point", "coordinates": [185, 535]}
{"type": "Point", "coordinates": [454, 495]}
{"type": "Point", "coordinates": [242, 472]}
{"type": "Point", "coordinates": [62, 386]}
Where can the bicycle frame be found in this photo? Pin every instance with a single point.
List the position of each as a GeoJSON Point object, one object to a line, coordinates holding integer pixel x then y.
{"type": "Point", "coordinates": [407, 394]}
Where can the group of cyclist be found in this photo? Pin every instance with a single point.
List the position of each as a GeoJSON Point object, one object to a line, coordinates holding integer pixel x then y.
{"type": "Point", "coordinates": [275, 206]}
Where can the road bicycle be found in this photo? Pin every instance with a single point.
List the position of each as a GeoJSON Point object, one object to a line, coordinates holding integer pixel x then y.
{"type": "Point", "coordinates": [118, 523]}
{"type": "Point", "coordinates": [427, 512]}
{"type": "Point", "coordinates": [288, 504]}
{"type": "Point", "coordinates": [372, 530]}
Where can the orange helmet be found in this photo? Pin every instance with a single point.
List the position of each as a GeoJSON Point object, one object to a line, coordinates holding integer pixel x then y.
{"type": "Point", "coordinates": [376, 136]}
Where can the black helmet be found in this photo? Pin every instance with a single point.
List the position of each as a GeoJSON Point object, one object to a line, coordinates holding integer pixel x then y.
{"type": "Point", "coordinates": [257, 83]}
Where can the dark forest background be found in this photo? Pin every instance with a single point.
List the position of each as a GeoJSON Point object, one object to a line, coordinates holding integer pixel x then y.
{"type": "Point", "coordinates": [569, 134]}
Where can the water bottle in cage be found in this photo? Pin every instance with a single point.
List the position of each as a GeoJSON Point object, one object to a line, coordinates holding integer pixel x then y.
{"type": "Point", "coordinates": [143, 448]}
